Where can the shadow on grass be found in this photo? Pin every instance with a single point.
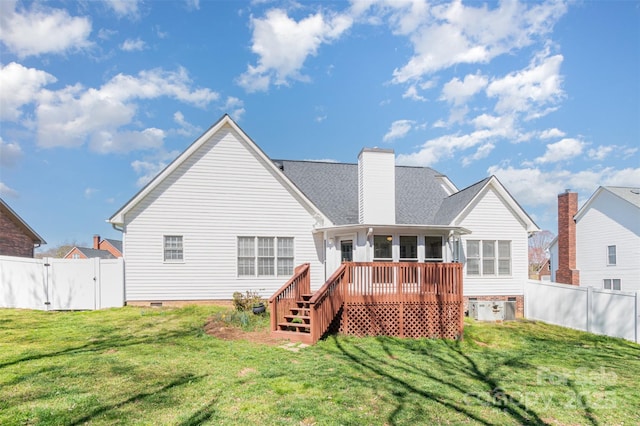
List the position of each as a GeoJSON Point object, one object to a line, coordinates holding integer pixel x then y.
{"type": "Point", "coordinates": [186, 379]}
{"type": "Point", "coordinates": [201, 416]}
{"type": "Point", "coordinates": [454, 368]}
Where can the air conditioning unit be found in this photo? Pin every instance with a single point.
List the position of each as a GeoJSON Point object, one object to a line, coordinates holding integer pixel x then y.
{"type": "Point", "coordinates": [492, 310]}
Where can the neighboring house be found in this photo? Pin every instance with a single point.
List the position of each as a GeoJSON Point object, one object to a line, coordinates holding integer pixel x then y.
{"type": "Point", "coordinates": [224, 217]}
{"type": "Point", "coordinates": [17, 238]}
{"type": "Point", "coordinates": [104, 249]}
{"type": "Point", "coordinates": [599, 244]}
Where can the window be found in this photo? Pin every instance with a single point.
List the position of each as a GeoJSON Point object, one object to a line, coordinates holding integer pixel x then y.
{"type": "Point", "coordinates": [265, 256]}
{"type": "Point", "coordinates": [473, 257]}
{"type": "Point", "coordinates": [285, 256]}
{"type": "Point", "coordinates": [408, 249]}
{"type": "Point", "coordinates": [488, 257]}
{"type": "Point", "coordinates": [246, 256]}
{"type": "Point", "coordinates": [173, 248]}
{"type": "Point", "coordinates": [75, 256]}
{"type": "Point", "coordinates": [433, 249]}
{"type": "Point", "coordinates": [612, 284]}
{"type": "Point", "coordinates": [611, 255]}
{"type": "Point", "coordinates": [382, 247]}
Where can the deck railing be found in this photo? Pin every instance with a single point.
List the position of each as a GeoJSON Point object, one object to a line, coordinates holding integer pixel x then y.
{"type": "Point", "coordinates": [400, 299]}
{"type": "Point", "coordinates": [286, 297]}
{"type": "Point", "coordinates": [327, 302]}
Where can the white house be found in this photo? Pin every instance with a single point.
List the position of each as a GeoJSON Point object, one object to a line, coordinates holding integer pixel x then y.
{"type": "Point", "coordinates": [224, 217]}
{"type": "Point", "coordinates": [605, 245]}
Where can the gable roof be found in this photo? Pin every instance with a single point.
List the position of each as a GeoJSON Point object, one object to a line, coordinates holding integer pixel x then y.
{"type": "Point", "coordinates": [626, 193]}
{"type": "Point", "coordinates": [117, 244]}
{"type": "Point", "coordinates": [458, 205]}
{"type": "Point", "coordinates": [15, 218]}
{"type": "Point", "coordinates": [333, 187]}
{"type": "Point", "coordinates": [118, 217]}
{"type": "Point", "coordinates": [91, 253]}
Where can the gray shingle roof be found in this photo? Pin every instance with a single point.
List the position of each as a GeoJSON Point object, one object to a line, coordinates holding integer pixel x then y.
{"type": "Point", "coordinates": [91, 253]}
{"type": "Point", "coordinates": [629, 194]}
{"type": "Point", "coordinates": [333, 188]}
{"type": "Point", "coordinates": [115, 243]}
{"type": "Point", "coordinates": [455, 203]}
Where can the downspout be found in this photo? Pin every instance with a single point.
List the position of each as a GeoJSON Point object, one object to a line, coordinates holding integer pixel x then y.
{"type": "Point", "coordinates": [324, 255]}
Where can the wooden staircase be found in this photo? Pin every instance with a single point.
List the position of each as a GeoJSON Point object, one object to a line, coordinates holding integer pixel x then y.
{"type": "Point", "coordinates": [297, 324]}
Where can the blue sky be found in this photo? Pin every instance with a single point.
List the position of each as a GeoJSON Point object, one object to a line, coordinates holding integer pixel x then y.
{"type": "Point", "coordinates": [96, 97]}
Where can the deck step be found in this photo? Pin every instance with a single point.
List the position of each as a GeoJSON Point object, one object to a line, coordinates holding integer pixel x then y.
{"type": "Point", "coordinates": [294, 326]}
{"type": "Point", "coordinates": [305, 318]}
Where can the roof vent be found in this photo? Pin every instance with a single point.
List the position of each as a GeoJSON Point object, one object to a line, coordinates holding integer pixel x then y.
{"type": "Point", "coordinates": [635, 191]}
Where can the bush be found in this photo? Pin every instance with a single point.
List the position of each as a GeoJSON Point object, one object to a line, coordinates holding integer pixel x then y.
{"type": "Point", "coordinates": [246, 301]}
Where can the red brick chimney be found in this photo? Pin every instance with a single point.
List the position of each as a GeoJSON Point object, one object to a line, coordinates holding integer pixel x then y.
{"type": "Point", "coordinates": [567, 209]}
{"type": "Point", "coordinates": [96, 242]}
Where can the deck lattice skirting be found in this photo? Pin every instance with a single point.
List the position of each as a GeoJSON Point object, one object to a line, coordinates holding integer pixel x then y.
{"type": "Point", "coordinates": [372, 299]}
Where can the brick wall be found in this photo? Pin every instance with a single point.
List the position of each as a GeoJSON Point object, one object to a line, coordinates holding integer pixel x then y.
{"type": "Point", "coordinates": [567, 209]}
{"type": "Point", "coordinates": [13, 241]}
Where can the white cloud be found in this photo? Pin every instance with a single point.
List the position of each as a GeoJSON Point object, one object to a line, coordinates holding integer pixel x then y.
{"type": "Point", "coordinates": [193, 4]}
{"type": "Point", "coordinates": [530, 90]}
{"type": "Point", "coordinates": [534, 186]}
{"type": "Point", "coordinates": [125, 141]}
{"type": "Point", "coordinates": [5, 191]}
{"type": "Point", "coordinates": [20, 86]}
{"type": "Point", "coordinates": [482, 152]}
{"type": "Point", "coordinates": [234, 107]}
{"type": "Point", "coordinates": [458, 92]}
{"type": "Point", "coordinates": [10, 153]}
{"type": "Point", "coordinates": [41, 30]}
{"type": "Point", "coordinates": [398, 129]}
{"type": "Point", "coordinates": [73, 115]}
{"type": "Point", "coordinates": [283, 45]}
{"type": "Point", "coordinates": [601, 152]}
{"type": "Point", "coordinates": [125, 8]}
{"type": "Point", "coordinates": [453, 33]}
{"type": "Point", "coordinates": [148, 168]}
{"type": "Point", "coordinates": [412, 93]}
{"type": "Point", "coordinates": [551, 133]}
{"type": "Point", "coordinates": [186, 128]}
{"type": "Point", "coordinates": [133, 45]}
{"type": "Point", "coordinates": [565, 149]}
{"type": "Point", "coordinates": [446, 146]}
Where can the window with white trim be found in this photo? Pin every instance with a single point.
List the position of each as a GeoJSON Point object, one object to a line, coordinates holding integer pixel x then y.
{"type": "Point", "coordinates": [488, 257]}
{"type": "Point", "coordinates": [265, 256]}
{"type": "Point", "coordinates": [173, 249]}
{"type": "Point", "coordinates": [382, 245]}
{"type": "Point", "coordinates": [408, 248]}
{"type": "Point", "coordinates": [611, 255]}
{"type": "Point", "coordinates": [432, 249]}
{"type": "Point", "coordinates": [612, 284]}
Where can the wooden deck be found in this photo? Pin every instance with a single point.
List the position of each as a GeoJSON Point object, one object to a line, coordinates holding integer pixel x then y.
{"type": "Point", "coordinates": [365, 299]}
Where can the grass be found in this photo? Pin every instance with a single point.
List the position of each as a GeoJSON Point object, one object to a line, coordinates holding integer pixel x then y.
{"type": "Point", "coordinates": [158, 366]}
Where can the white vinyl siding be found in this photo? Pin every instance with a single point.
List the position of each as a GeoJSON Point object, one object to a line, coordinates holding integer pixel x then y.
{"type": "Point", "coordinates": [222, 191]}
{"type": "Point", "coordinates": [491, 219]}
{"type": "Point", "coordinates": [608, 221]}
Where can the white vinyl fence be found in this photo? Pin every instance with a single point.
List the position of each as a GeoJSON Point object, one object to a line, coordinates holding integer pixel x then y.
{"type": "Point", "coordinates": [612, 313]}
{"type": "Point", "coordinates": [61, 284]}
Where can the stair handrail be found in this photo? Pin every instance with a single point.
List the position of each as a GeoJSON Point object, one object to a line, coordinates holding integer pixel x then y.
{"type": "Point", "coordinates": [299, 283]}
{"type": "Point", "coordinates": [326, 302]}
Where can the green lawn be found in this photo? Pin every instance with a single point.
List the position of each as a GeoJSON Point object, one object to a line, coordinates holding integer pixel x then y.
{"type": "Point", "coordinates": [158, 366]}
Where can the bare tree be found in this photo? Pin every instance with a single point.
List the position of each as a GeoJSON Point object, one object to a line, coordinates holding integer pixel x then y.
{"type": "Point", "coordinates": [58, 251]}
{"type": "Point", "coordinates": [539, 250]}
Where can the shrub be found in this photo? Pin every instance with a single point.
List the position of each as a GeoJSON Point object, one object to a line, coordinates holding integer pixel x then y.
{"type": "Point", "coordinates": [246, 301]}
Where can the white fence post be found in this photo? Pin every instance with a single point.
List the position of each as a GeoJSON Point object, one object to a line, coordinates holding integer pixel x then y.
{"type": "Point", "coordinates": [589, 307]}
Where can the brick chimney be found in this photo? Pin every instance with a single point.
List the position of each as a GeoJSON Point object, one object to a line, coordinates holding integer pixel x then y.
{"type": "Point", "coordinates": [96, 242]}
{"type": "Point", "coordinates": [567, 209]}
